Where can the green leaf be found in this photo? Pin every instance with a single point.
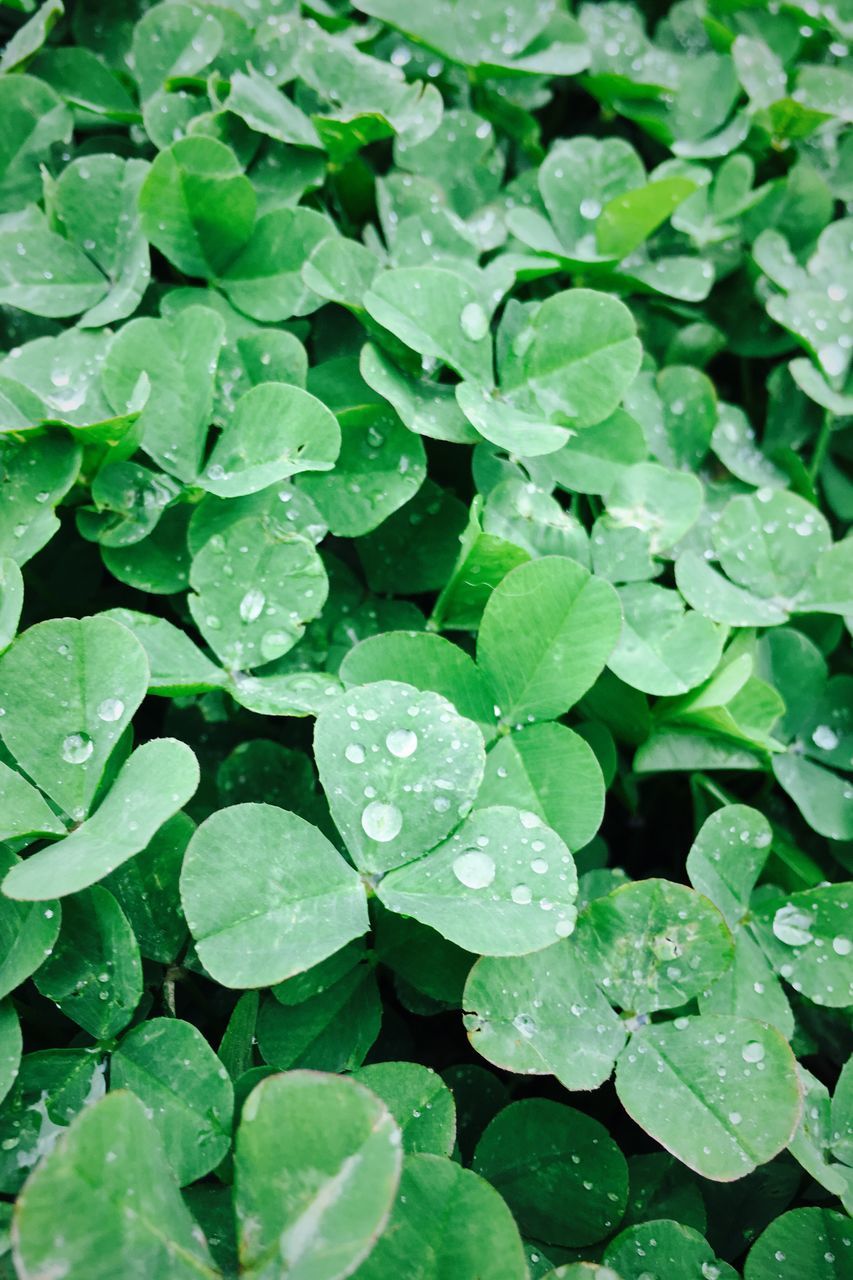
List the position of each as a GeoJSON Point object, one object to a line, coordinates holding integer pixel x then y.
{"type": "Point", "coordinates": [11, 600]}
{"type": "Point", "coordinates": [663, 649]}
{"type": "Point", "coordinates": [437, 313]}
{"type": "Point", "coordinates": [70, 1190]}
{"type": "Point", "coordinates": [821, 795]}
{"type": "Point", "coordinates": [768, 544]}
{"type": "Point", "coordinates": [254, 589]}
{"type": "Point", "coordinates": [46, 275]}
{"type": "Point", "coordinates": [551, 771]}
{"type": "Point", "coordinates": [293, 905]}
{"type": "Point", "coordinates": [197, 206]}
{"type": "Point", "coordinates": [426, 661]}
{"type": "Point", "coordinates": [579, 358]}
{"type": "Point", "coordinates": [482, 563]}
{"type": "Point", "coordinates": [154, 782]}
{"type": "Point", "coordinates": [333, 1030]}
{"type": "Point", "coordinates": [94, 973]}
{"type": "Point", "coordinates": [592, 460]}
{"type": "Point", "coordinates": [662, 504]}
{"type": "Point", "coordinates": [813, 1241]}
{"type": "Point", "coordinates": [264, 280]}
{"type": "Point", "coordinates": [68, 689]}
{"type": "Point", "coordinates": [441, 1217]}
{"type": "Point", "coordinates": [34, 118]}
{"type": "Point", "coordinates": [419, 1101]}
{"type": "Point", "coordinates": [27, 935]}
{"type": "Point", "coordinates": [146, 889]}
{"type": "Point", "coordinates": [276, 430]}
{"type": "Point", "coordinates": [503, 884]}
{"type": "Point", "coordinates": [47, 465]}
{"type": "Point", "coordinates": [559, 1170]}
{"type": "Point", "coordinates": [268, 111]}
{"type": "Point", "coordinates": [543, 1014]}
{"type": "Point", "coordinates": [178, 356]}
{"type": "Point", "coordinates": [173, 1071]}
{"type": "Point", "coordinates": [678, 1250]}
{"type": "Point", "coordinates": [95, 203]}
{"type": "Point", "coordinates": [10, 1046]}
{"type": "Point", "coordinates": [806, 936]}
{"type": "Point", "coordinates": [629, 219]}
{"type": "Point", "coordinates": [170, 42]}
{"type": "Point", "coordinates": [720, 1093]}
{"type": "Point", "coordinates": [385, 737]}
{"type": "Point", "coordinates": [320, 1215]}
{"type": "Point", "coordinates": [727, 857]}
{"type": "Point", "coordinates": [656, 944]}
{"type": "Point", "coordinates": [380, 468]}
{"type": "Point", "coordinates": [547, 630]}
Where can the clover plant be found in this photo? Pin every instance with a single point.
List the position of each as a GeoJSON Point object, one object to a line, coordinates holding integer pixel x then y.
{"type": "Point", "coordinates": [426, 708]}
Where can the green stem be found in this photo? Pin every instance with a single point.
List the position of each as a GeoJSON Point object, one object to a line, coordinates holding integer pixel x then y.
{"type": "Point", "coordinates": [822, 445]}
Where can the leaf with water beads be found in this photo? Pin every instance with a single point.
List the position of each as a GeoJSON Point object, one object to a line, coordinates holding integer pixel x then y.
{"type": "Point", "coordinates": [720, 1093]}
{"type": "Point", "coordinates": [291, 905]}
{"type": "Point", "coordinates": [543, 1014]}
{"type": "Point", "coordinates": [808, 938]}
{"type": "Point", "coordinates": [254, 589]}
{"type": "Point", "coordinates": [153, 783]}
{"type": "Point", "coordinates": [803, 1242]}
{"type": "Point", "coordinates": [275, 431]}
{"type": "Point", "coordinates": [399, 768]}
{"type": "Point", "coordinates": [663, 649]}
{"type": "Point", "coordinates": [559, 1170]}
{"type": "Point", "coordinates": [656, 944]}
{"type": "Point", "coordinates": [35, 476]}
{"type": "Point", "coordinates": [503, 884]}
{"type": "Point", "coordinates": [666, 1248]}
{"type": "Point", "coordinates": [727, 857]}
{"type": "Point", "coordinates": [68, 689]}
{"type": "Point", "coordinates": [419, 1101]}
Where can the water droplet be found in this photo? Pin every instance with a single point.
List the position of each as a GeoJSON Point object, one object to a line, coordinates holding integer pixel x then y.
{"type": "Point", "coordinates": [589, 209]}
{"type": "Point", "coordinates": [111, 709]}
{"type": "Point", "coordinates": [524, 1024]}
{"type": "Point", "coordinates": [752, 1051]}
{"type": "Point", "coordinates": [474, 321]}
{"type": "Point", "coordinates": [474, 869]}
{"type": "Point", "coordinates": [77, 748]}
{"type": "Point", "coordinates": [735, 1117]}
{"type": "Point", "coordinates": [252, 604]}
{"type": "Point", "coordinates": [824, 738]}
{"type": "Point", "coordinates": [563, 928]}
{"type": "Point", "coordinates": [842, 946]}
{"type": "Point", "coordinates": [355, 753]}
{"type": "Point", "coordinates": [792, 926]}
{"type": "Point", "coordinates": [539, 866]}
{"type": "Point", "coordinates": [401, 742]}
{"type": "Point", "coordinates": [381, 822]}
{"type": "Point", "coordinates": [521, 894]}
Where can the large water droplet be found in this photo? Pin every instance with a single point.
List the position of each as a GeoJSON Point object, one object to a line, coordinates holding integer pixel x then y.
{"type": "Point", "coordinates": [355, 753]}
{"type": "Point", "coordinates": [252, 604]}
{"type": "Point", "coordinates": [525, 1024]}
{"type": "Point", "coordinates": [842, 946]}
{"type": "Point", "coordinates": [589, 209]}
{"type": "Point", "coordinates": [111, 709]}
{"type": "Point", "coordinates": [474, 321]}
{"type": "Point", "coordinates": [402, 742]}
{"type": "Point", "coordinates": [792, 926]}
{"type": "Point", "coordinates": [474, 869]}
{"type": "Point", "coordinates": [381, 822]}
{"type": "Point", "coordinates": [825, 738]}
{"type": "Point", "coordinates": [77, 748]}
{"type": "Point", "coordinates": [521, 894]}
{"type": "Point", "coordinates": [752, 1051]}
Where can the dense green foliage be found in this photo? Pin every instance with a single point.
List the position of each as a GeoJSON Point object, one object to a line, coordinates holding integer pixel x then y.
{"type": "Point", "coordinates": [426, 712]}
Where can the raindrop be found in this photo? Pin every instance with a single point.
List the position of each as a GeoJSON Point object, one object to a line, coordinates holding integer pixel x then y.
{"type": "Point", "coordinates": [824, 738]}
{"type": "Point", "coordinates": [474, 321]}
{"type": "Point", "coordinates": [381, 822]}
{"type": "Point", "coordinates": [792, 926]}
{"type": "Point", "coordinates": [752, 1051]}
{"type": "Point", "coordinates": [77, 748]}
{"type": "Point", "coordinates": [354, 753]}
{"type": "Point", "coordinates": [521, 894]}
{"type": "Point", "coordinates": [252, 604]}
{"type": "Point", "coordinates": [402, 742]}
{"type": "Point", "coordinates": [111, 709]}
{"type": "Point", "coordinates": [474, 869]}
{"type": "Point", "coordinates": [525, 1024]}
{"type": "Point", "coordinates": [842, 946]}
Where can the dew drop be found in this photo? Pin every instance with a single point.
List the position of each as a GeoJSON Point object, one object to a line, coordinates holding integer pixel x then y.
{"type": "Point", "coordinates": [355, 753]}
{"type": "Point", "coordinates": [521, 894]}
{"type": "Point", "coordinates": [402, 742]}
{"type": "Point", "coordinates": [524, 1024]}
{"type": "Point", "coordinates": [539, 866]}
{"type": "Point", "coordinates": [474, 321]}
{"type": "Point", "coordinates": [252, 604]}
{"type": "Point", "coordinates": [474, 869]}
{"type": "Point", "coordinates": [752, 1051]}
{"type": "Point", "coordinates": [111, 709]}
{"type": "Point", "coordinates": [825, 738]}
{"type": "Point", "coordinates": [77, 748]}
{"type": "Point", "coordinates": [792, 926]}
{"type": "Point", "coordinates": [381, 822]}
{"type": "Point", "coordinates": [842, 946]}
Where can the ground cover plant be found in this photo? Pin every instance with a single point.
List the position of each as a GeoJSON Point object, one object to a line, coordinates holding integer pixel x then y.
{"type": "Point", "coordinates": [426, 713]}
